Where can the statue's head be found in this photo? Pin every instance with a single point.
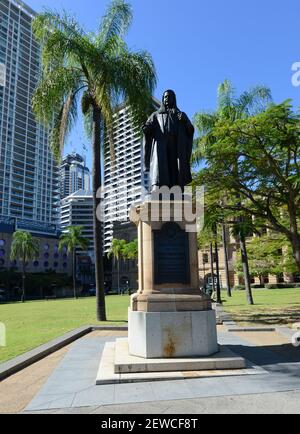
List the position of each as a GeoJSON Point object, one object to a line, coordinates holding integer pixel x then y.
{"type": "Point", "coordinates": [169, 99]}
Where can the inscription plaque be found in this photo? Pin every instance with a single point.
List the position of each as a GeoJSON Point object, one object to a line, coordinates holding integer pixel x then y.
{"type": "Point", "coordinates": [171, 255]}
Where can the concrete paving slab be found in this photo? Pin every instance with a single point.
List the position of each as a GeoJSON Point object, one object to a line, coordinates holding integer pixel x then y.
{"type": "Point", "coordinates": [94, 396]}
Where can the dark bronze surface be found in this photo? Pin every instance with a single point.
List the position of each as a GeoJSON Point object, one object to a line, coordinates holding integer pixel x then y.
{"type": "Point", "coordinates": [168, 142]}
{"type": "Point", "coordinates": [171, 255]}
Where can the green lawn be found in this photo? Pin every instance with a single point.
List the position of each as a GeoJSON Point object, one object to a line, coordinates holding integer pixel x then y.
{"type": "Point", "coordinates": [34, 323]}
{"type": "Point", "coordinates": [278, 306]}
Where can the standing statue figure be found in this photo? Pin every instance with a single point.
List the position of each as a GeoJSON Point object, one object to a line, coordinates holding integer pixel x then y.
{"type": "Point", "coordinates": [168, 145]}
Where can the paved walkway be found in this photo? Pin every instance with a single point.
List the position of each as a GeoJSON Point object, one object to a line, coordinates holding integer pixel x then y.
{"type": "Point", "coordinates": [270, 403]}
{"type": "Point", "coordinates": [71, 388]}
{"type": "Point", "coordinates": [17, 391]}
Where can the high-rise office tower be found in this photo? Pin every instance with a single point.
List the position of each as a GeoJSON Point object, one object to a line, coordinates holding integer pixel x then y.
{"type": "Point", "coordinates": [124, 178]}
{"type": "Point", "coordinates": [29, 187]}
{"type": "Point", "coordinates": [74, 175]}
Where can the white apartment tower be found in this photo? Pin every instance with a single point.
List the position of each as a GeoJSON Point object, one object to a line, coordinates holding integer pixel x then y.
{"type": "Point", "coordinates": [29, 188]}
{"type": "Point", "coordinates": [125, 178]}
{"type": "Point", "coordinates": [77, 210]}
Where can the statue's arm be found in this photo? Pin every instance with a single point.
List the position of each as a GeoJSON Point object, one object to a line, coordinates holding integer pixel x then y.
{"type": "Point", "coordinates": [188, 125]}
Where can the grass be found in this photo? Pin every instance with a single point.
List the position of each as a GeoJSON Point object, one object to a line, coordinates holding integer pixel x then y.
{"type": "Point", "coordinates": [35, 323]}
{"type": "Point", "coordinates": [272, 307]}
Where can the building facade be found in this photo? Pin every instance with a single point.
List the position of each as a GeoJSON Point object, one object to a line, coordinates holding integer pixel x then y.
{"type": "Point", "coordinates": [29, 177]}
{"type": "Point", "coordinates": [77, 210]}
{"type": "Point", "coordinates": [74, 175]}
{"type": "Point", "coordinates": [233, 248]}
{"type": "Point", "coordinates": [125, 273]}
{"type": "Point", "coordinates": [49, 257]}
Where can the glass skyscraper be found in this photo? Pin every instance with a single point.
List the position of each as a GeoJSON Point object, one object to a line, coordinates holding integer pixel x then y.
{"type": "Point", "coordinates": [29, 176]}
{"type": "Point", "coordinates": [74, 175]}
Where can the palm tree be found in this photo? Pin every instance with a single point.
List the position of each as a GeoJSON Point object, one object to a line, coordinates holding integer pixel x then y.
{"type": "Point", "coordinates": [231, 107]}
{"type": "Point", "coordinates": [24, 248]}
{"type": "Point", "coordinates": [117, 251]}
{"type": "Point", "coordinates": [131, 250]}
{"type": "Point", "coordinates": [99, 70]}
{"type": "Point", "coordinates": [72, 239]}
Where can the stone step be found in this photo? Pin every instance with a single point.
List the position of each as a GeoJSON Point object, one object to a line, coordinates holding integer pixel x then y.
{"type": "Point", "coordinates": [125, 363]}
{"type": "Point", "coordinates": [106, 373]}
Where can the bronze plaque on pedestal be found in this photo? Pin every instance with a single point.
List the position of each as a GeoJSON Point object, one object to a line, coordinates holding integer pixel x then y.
{"type": "Point", "coordinates": [171, 255]}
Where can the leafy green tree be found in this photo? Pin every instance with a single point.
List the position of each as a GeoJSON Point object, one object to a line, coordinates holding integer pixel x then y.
{"type": "Point", "coordinates": [230, 108]}
{"type": "Point", "coordinates": [117, 253]}
{"type": "Point", "coordinates": [24, 248]}
{"type": "Point", "coordinates": [266, 152]}
{"type": "Point", "coordinates": [131, 250]}
{"type": "Point", "coordinates": [268, 254]}
{"type": "Point", "coordinates": [72, 239]}
{"type": "Point", "coordinates": [98, 70]}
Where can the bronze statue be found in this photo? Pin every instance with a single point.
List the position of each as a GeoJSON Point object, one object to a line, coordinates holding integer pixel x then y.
{"type": "Point", "coordinates": [168, 145]}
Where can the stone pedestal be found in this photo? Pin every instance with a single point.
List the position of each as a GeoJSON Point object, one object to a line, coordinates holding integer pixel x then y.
{"type": "Point", "coordinates": [169, 315]}
{"type": "Point", "coordinates": [172, 334]}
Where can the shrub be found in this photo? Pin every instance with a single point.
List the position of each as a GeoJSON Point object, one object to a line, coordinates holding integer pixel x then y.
{"type": "Point", "coordinates": [282, 285]}
{"type": "Point", "coordinates": [239, 288]}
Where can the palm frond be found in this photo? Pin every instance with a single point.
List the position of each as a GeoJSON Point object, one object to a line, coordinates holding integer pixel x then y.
{"type": "Point", "coordinates": [205, 122]}
{"type": "Point", "coordinates": [255, 100]}
{"type": "Point", "coordinates": [24, 246]}
{"type": "Point", "coordinates": [49, 21]}
{"type": "Point", "coordinates": [115, 22]}
{"type": "Point", "coordinates": [53, 89]}
{"type": "Point", "coordinates": [135, 79]}
{"type": "Point", "coordinates": [226, 93]}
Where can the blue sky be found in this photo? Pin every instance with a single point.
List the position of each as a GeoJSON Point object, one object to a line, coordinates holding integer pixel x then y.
{"type": "Point", "coordinates": [196, 44]}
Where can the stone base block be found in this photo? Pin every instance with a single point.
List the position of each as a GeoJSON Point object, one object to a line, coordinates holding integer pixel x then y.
{"type": "Point", "coordinates": [171, 300]}
{"type": "Point", "coordinates": [170, 335]}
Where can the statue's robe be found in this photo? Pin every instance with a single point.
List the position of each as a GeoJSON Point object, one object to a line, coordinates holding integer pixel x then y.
{"type": "Point", "coordinates": [168, 145]}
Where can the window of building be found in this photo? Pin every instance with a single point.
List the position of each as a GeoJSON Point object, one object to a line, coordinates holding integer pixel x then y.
{"type": "Point", "coordinates": [280, 278]}
{"type": "Point", "coordinates": [205, 258]}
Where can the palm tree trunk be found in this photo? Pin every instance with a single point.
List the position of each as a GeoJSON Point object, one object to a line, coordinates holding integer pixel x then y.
{"type": "Point", "coordinates": [119, 289]}
{"type": "Point", "coordinates": [99, 269]}
{"type": "Point", "coordinates": [23, 297]}
{"type": "Point", "coordinates": [74, 274]}
{"type": "Point", "coordinates": [226, 260]}
{"type": "Point", "coordinates": [246, 271]}
{"type": "Point", "coordinates": [212, 267]}
{"type": "Point", "coordinates": [219, 297]}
